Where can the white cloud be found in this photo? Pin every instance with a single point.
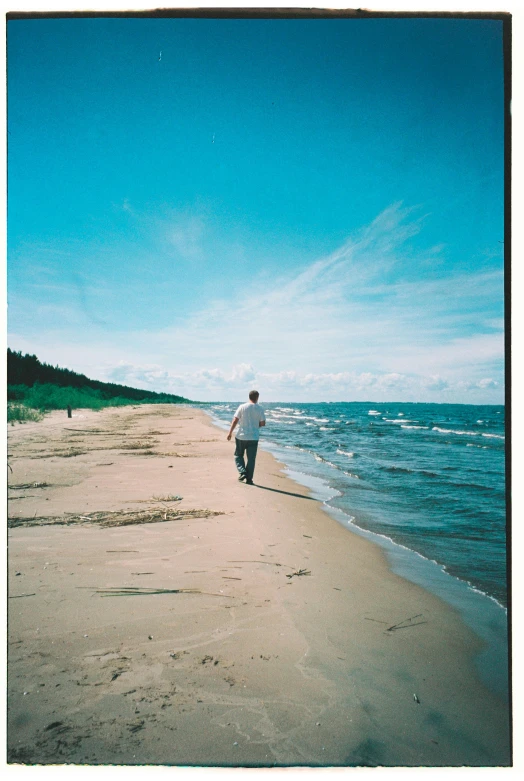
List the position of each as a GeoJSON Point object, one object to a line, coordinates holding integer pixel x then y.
{"type": "Point", "coordinates": [243, 373]}
{"type": "Point", "coordinates": [343, 313]}
{"type": "Point", "coordinates": [487, 383]}
{"type": "Point", "coordinates": [212, 383]}
{"type": "Point", "coordinates": [363, 322]}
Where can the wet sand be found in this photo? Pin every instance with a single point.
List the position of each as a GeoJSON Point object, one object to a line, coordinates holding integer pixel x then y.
{"type": "Point", "coordinates": [236, 626]}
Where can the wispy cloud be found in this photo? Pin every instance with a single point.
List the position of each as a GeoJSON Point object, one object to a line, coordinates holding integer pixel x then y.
{"type": "Point", "coordinates": [378, 318]}
{"type": "Point", "coordinates": [341, 312]}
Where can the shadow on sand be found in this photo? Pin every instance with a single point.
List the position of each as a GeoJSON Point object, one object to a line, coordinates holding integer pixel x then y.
{"type": "Point", "coordinates": [288, 493]}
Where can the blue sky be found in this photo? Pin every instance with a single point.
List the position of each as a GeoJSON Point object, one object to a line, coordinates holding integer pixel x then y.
{"type": "Point", "coordinates": [313, 207]}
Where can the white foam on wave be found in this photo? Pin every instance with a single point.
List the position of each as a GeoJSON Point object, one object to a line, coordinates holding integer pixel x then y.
{"type": "Point", "coordinates": [394, 420]}
{"type": "Point", "coordinates": [373, 412]}
{"type": "Point", "coordinates": [453, 431]}
{"type": "Point", "coordinates": [494, 436]}
{"type": "Point", "coordinates": [426, 427]}
{"type": "Point", "coordinates": [330, 463]}
{"type": "Point", "coordinates": [296, 447]}
{"type": "Point", "coordinates": [344, 453]}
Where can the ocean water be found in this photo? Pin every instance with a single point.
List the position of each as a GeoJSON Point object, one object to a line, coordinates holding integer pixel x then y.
{"type": "Point", "coordinates": [431, 477]}
{"type": "Point", "coordinates": [427, 481]}
{"type": "Point", "coordinates": [428, 476]}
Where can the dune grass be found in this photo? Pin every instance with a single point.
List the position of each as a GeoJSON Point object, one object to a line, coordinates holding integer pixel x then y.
{"type": "Point", "coordinates": [21, 414]}
{"type": "Point", "coordinates": [31, 403]}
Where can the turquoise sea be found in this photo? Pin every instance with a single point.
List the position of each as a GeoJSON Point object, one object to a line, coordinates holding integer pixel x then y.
{"type": "Point", "coordinates": [425, 481]}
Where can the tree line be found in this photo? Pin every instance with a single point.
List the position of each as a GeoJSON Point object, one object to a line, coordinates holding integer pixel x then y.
{"type": "Point", "coordinates": [26, 371]}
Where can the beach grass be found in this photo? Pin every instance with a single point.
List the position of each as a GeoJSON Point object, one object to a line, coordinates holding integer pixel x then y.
{"type": "Point", "coordinates": [21, 413]}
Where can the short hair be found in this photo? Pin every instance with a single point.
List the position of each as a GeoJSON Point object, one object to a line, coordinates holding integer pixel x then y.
{"type": "Point", "coordinates": [253, 395]}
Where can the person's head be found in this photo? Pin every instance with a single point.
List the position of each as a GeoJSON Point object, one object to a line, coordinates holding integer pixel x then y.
{"type": "Point", "coordinates": [253, 396]}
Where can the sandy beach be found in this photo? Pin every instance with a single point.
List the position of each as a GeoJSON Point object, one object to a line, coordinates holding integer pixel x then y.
{"type": "Point", "coordinates": [234, 626]}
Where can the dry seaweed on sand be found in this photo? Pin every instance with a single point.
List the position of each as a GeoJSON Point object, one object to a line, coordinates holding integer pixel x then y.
{"type": "Point", "coordinates": [140, 445]}
{"type": "Point", "coordinates": [23, 486]}
{"type": "Point", "coordinates": [136, 591]}
{"type": "Point", "coordinates": [115, 518]}
{"type": "Point", "coordinates": [71, 453]}
{"type": "Point", "coordinates": [88, 431]}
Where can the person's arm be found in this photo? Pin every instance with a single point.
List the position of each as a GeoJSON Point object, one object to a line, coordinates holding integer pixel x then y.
{"type": "Point", "coordinates": [233, 425]}
{"type": "Point", "coordinates": [261, 423]}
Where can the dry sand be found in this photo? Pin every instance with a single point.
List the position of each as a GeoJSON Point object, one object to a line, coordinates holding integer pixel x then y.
{"type": "Point", "coordinates": [254, 665]}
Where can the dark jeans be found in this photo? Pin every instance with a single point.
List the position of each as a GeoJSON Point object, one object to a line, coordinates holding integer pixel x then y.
{"type": "Point", "coordinates": [248, 446]}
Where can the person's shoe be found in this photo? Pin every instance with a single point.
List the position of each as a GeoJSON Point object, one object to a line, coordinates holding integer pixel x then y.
{"type": "Point", "coordinates": [242, 477]}
{"type": "Point", "coordinates": [249, 482]}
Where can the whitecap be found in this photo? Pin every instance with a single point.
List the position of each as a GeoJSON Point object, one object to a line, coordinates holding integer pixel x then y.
{"type": "Point", "coordinates": [494, 436]}
{"type": "Point", "coordinates": [459, 433]}
{"type": "Point", "coordinates": [343, 453]}
{"type": "Point", "coordinates": [373, 412]}
{"type": "Point", "coordinates": [425, 427]}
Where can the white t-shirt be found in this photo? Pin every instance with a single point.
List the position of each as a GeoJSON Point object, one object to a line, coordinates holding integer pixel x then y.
{"type": "Point", "coordinates": [249, 416]}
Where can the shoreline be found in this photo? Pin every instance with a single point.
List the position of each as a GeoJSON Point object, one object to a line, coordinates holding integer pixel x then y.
{"type": "Point", "coordinates": [480, 611]}
{"type": "Point", "coordinates": [282, 669]}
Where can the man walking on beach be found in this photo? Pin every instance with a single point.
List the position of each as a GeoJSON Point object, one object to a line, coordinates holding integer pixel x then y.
{"type": "Point", "coordinates": [251, 417]}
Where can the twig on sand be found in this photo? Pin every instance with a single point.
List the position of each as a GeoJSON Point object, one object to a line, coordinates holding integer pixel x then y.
{"type": "Point", "coordinates": [404, 624]}
{"type": "Point", "coordinates": [256, 561]}
{"type": "Point", "coordinates": [17, 596]}
{"type": "Point", "coordinates": [299, 572]}
{"type": "Point", "coordinates": [90, 430]}
{"type": "Point", "coordinates": [408, 626]}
